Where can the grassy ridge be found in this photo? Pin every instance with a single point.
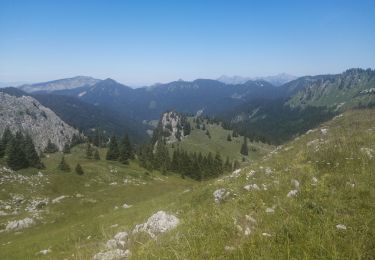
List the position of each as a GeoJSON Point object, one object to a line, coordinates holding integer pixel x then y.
{"type": "Point", "coordinates": [300, 227]}
{"type": "Point", "coordinates": [198, 141]}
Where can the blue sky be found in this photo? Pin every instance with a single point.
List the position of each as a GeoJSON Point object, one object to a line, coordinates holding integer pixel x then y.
{"type": "Point", "coordinates": [143, 42]}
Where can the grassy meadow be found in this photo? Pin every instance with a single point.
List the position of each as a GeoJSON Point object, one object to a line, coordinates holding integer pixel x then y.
{"type": "Point", "coordinates": [331, 215]}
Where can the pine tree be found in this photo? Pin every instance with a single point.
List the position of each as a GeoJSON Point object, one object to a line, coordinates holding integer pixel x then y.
{"type": "Point", "coordinates": [113, 150]}
{"type": "Point", "coordinates": [244, 148]}
{"type": "Point", "coordinates": [51, 147]}
{"type": "Point", "coordinates": [186, 128]}
{"type": "Point", "coordinates": [79, 169]}
{"type": "Point", "coordinates": [63, 165]}
{"type": "Point", "coordinates": [7, 136]}
{"type": "Point", "coordinates": [235, 133]}
{"type": "Point", "coordinates": [125, 150]}
{"type": "Point", "coordinates": [208, 134]}
{"type": "Point", "coordinates": [227, 165]}
{"type": "Point", "coordinates": [88, 151]}
{"type": "Point", "coordinates": [31, 154]}
{"type": "Point", "coordinates": [218, 162]}
{"type": "Point", "coordinates": [66, 148]}
{"type": "Point", "coordinates": [229, 138]}
{"type": "Point", "coordinates": [15, 156]}
{"type": "Point", "coordinates": [96, 155]}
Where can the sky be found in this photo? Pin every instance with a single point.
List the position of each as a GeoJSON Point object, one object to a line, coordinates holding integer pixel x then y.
{"type": "Point", "coordinates": [144, 42]}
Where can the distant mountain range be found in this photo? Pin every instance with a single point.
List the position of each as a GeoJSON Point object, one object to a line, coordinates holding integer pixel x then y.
{"type": "Point", "coordinates": [59, 84]}
{"type": "Point", "coordinates": [276, 80]}
{"type": "Point", "coordinates": [255, 106]}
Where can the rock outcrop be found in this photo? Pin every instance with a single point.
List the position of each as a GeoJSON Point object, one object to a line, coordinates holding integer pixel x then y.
{"type": "Point", "coordinates": [28, 115]}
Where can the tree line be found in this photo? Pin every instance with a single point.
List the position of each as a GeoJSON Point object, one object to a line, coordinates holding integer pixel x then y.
{"type": "Point", "coordinates": [19, 151]}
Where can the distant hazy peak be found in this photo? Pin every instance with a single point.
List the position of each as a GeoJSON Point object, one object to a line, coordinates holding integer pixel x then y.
{"type": "Point", "coordinates": [276, 80]}
{"type": "Point", "coordinates": [60, 84]}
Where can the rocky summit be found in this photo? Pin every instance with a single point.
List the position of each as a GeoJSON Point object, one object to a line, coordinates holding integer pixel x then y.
{"type": "Point", "coordinates": [28, 115]}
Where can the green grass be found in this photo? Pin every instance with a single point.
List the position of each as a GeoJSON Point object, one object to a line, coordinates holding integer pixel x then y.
{"type": "Point", "coordinates": [65, 226]}
{"type": "Point", "coordinates": [302, 227]}
{"type": "Point", "coordinates": [198, 141]}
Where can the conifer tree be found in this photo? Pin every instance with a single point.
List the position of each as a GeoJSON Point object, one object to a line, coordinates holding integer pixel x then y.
{"type": "Point", "coordinates": [66, 148]}
{"type": "Point", "coordinates": [51, 147]}
{"type": "Point", "coordinates": [244, 148]}
{"type": "Point", "coordinates": [79, 169]}
{"type": "Point", "coordinates": [229, 138]}
{"type": "Point", "coordinates": [31, 154]}
{"type": "Point", "coordinates": [125, 150]}
{"type": "Point", "coordinates": [218, 162]}
{"type": "Point", "coordinates": [113, 150]}
{"type": "Point", "coordinates": [89, 151]}
{"type": "Point", "coordinates": [208, 134]}
{"type": "Point", "coordinates": [63, 165]}
{"type": "Point", "coordinates": [227, 165]}
{"type": "Point", "coordinates": [7, 136]}
{"type": "Point", "coordinates": [15, 155]}
{"type": "Point", "coordinates": [96, 155]}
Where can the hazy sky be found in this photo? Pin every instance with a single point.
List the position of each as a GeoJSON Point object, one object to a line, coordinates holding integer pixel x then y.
{"type": "Point", "coordinates": [143, 42]}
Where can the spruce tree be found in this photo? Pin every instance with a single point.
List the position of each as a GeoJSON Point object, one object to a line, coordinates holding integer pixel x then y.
{"type": "Point", "coordinates": [113, 150]}
{"type": "Point", "coordinates": [88, 151]}
{"type": "Point", "coordinates": [15, 155]}
{"type": "Point", "coordinates": [7, 136]}
{"type": "Point", "coordinates": [63, 165]}
{"type": "Point", "coordinates": [229, 138]}
{"type": "Point", "coordinates": [96, 155]}
{"type": "Point", "coordinates": [66, 148]}
{"type": "Point", "coordinates": [31, 154]}
{"type": "Point", "coordinates": [79, 169]}
{"type": "Point", "coordinates": [227, 165]}
{"type": "Point", "coordinates": [125, 150]}
{"type": "Point", "coordinates": [51, 147]}
{"type": "Point", "coordinates": [244, 148]}
{"type": "Point", "coordinates": [208, 134]}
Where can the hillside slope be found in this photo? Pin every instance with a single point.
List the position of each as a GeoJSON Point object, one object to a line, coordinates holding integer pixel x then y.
{"type": "Point", "coordinates": [312, 198]}
{"type": "Point", "coordinates": [28, 115]}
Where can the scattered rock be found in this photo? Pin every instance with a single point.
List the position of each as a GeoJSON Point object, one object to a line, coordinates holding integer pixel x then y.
{"type": "Point", "coordinates": [292, 193]}
{"type": "Point", "coordinates": [19, 224]}
{"type": "Point", "coordinates": [341, 227]}
{"type": "Point", "coordinates": [158, 223]}
{"type": "Point", "coordinates": [44, 251]}
{"type": "Point", "coordinates": [270, 210]}
{"type": "Point", "coordinates": [251, 187]}
{"type": "Point", "coordinates": [266, 235]}
{"type": "Point", "coordinates": [112, 254]}
{"type": "Point", "coordinates": [236, 173]}
{"type": "Point", "coordinates": [59, 199]}
{"type": "Point", "coordinates": [268, 171]}
{"type": "Point", "coordinates": [324, 131]}
{"type": "Point", "coordinates": [229, 248]}
{"type": "Point", "coordinates": [368, 151]}
{"type": "Point", "coordinates": [250, 219]}
{"type": "Point", "coordinates": [314, 181]}
{"type": "Point", "coordinates": [247, 231]}
{"type": "Point", "coordinates": [295, 183]}
{"type": "Point", "coordinates": [126, 206]}
{"type": "Point", "coordinates": [220, 195]}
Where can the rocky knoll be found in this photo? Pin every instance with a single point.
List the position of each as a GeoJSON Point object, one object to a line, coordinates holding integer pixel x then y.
{"type": "Point", "coordinates": [28, 115]}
